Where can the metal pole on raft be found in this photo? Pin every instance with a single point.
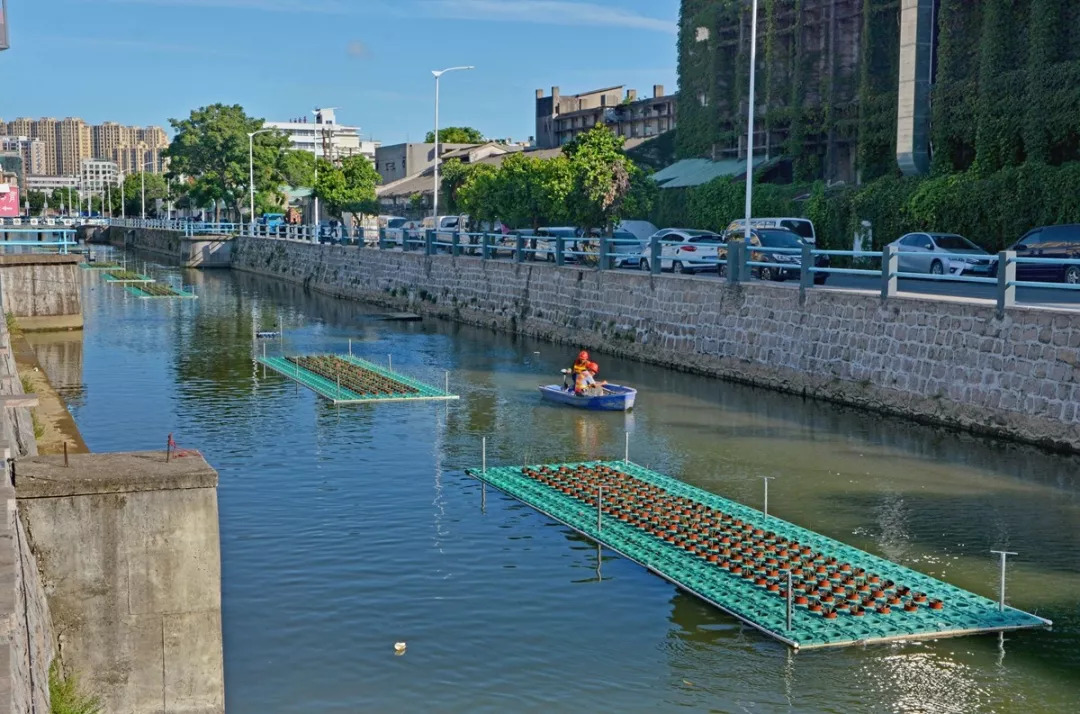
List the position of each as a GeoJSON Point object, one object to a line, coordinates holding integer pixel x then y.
{"type": "Point", "coordinates": [626, 451]}
{"type": "Point", "coordinates": [1001, 591]}
{"type": "Point", "coordinates": [599, 512]}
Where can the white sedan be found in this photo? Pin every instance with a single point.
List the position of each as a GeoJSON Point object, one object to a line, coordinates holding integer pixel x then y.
{"type": "Point", "coordinates": [683, 250]}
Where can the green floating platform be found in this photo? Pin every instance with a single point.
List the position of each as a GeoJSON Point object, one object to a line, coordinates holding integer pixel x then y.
{"type": "Point", "coordinates": [344, 379]}
{"type": "Point", "coordinates": [159, 291]}
{"type": "Point", "coordinates": [101, 266]}
{"type": "Point", "coordinates": [132, 279]}
{"type": "Point", "coordinates": [655, 520]}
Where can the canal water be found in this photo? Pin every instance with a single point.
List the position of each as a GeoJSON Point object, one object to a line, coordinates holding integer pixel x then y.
{"type": "Point", "coordinates": [347, 529]}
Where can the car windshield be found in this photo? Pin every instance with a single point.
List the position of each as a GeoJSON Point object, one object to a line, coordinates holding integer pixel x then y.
{"type": "Point", "coordinates": [779, 239]}
{"type": "Point", "coordinates": [395, 223]}
{"type": "Point", "coordinates": [704, 238]}
{"type": "Point", "coordinates": [955, 243]}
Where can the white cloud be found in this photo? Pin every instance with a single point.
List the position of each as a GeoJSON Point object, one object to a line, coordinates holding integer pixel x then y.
{"type": "Point", "coordinates": [551, 12]}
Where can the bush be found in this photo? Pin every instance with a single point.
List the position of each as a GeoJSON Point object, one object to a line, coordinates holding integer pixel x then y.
{"type": "Point", "coordinates": [65, 695]}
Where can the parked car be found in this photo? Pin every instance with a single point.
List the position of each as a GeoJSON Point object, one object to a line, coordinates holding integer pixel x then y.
{"type": "Point", "coordinates": [942, 254]}
{"type": "Point", "coordinates": [802, 227]}
{"type": "Point", "coordinates": [1059, 242]}
{"type": "Point", "coordinates": [545, 245]}
{"type": "Point", "coordinates": [784, 264]}
{"type": "Point", "coordinates": [625, 249]}
{"type": "Point", "coordinates": [682, 250]}
{"type": "Point", "coordinates": [641, 230]}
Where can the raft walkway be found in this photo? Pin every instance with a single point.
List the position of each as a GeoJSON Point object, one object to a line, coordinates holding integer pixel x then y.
{"type": "Point", "coordinates": [740, 559]}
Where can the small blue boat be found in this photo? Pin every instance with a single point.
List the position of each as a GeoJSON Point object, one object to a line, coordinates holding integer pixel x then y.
{"type": "Point", "coordinates": [615, 398]}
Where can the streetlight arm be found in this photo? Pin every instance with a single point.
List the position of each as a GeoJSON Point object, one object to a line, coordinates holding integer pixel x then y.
{"type": "Point", "coordinates": [435, 196]}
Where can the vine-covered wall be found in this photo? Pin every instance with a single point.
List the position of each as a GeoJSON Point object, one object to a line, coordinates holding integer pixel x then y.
{"type": "Point", "coordinates": [1005, 114]}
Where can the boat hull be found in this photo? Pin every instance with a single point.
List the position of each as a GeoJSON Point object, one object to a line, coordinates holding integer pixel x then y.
{"type": "Point", "coordinates": [615, 399]}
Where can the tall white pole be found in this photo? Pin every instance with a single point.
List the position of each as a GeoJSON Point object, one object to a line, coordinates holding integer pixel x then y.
{"type": "Point", "coordinates": [435, 199]}
{"type": "Point", "coordinates": [123, 210]}
{"type": "Point", "coordinates": [750, 126]}
{"type": "Point", "coordinates": [142, 175]}
{"type": "Point", "coordinates": [251, 179]}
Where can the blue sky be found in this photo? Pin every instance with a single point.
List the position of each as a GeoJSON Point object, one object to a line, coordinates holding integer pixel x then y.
{"type": "Point", "coordinates": [144, 61]}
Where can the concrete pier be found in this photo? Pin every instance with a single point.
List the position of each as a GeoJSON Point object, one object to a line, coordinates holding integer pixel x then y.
{"type": "Point", "coordinates": [128, 548]}
{"type": "Point", "coordinates": [43, 291]}
{"type": "Point", "coordinates": [203, 251]}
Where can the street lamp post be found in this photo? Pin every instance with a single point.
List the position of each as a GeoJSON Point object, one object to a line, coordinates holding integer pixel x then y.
{"type": "Point", "coordinates": [142, 177]}
{"type": "Point", "coordinates": [750, 125]}
{"type": "Point", "coordinates": [438, 75]}
{"type": "Point", "coordinates": [123, 210]}
{"type": "Point", "coordinates": [251, 172]}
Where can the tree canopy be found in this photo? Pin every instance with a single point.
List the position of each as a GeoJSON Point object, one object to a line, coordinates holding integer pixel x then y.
{"type": "Point", "coordinates": [349, 188]}
{"type": "Point", "coordinates": [456, 135]}
{"type": "Point", "coordinates": [211, 145]}
{"type": "Point", "coordinates": [593, 185]}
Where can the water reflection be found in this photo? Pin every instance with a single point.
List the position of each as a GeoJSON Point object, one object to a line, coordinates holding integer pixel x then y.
{"type": "Point", "coordinates": [60, 354]}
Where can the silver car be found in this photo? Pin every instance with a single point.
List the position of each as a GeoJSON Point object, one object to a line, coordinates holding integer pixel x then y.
{"type": "Point", "coordinates": [942, 254]}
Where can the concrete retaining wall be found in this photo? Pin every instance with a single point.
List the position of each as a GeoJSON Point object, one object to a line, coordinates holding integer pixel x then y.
{"type": "Point", "coordinates": [188, 251]}
{"type": "Point", "coordinates": [26, 635]}
{"type": "Point", "coordinates": [948, 362]}
{"type": "Point", "coordinates": [129, 553]}
{"type": "Point", "coordinates": [43, 291]}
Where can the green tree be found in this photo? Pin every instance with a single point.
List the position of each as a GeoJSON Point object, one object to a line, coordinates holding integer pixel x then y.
{"type": "Point", "coordinates": [156, 187]}
{"type": "Point", "coordinates": [37, 201]}
{"type": "Point", "coordinates": [297, 168]}
{"type": "Point", "coordinates": [531, 191]}
{"type": "Point", "coordinates": [602, 179]}
{"type": "Point", "coordinates": [454, 175]}
{"type": "Point", "coordinates": [456, 135]}
{"type": "Point", "coordinates": [478, 196]}
{"type": "Point", "coordinates": [350, 188]}
{"type": "Point", "coordinates": [212, 146]}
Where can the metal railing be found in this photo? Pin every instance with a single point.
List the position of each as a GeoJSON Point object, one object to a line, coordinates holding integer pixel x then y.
{"type": "Point", "coordinates": [734, 261]}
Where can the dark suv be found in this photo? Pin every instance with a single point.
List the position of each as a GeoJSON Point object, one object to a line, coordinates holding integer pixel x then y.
{"type": "Point", "coordinates": [1059, 242]}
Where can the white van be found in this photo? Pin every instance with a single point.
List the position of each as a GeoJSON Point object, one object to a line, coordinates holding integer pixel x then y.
{"type": "Point", "coordinates": [802, 227]}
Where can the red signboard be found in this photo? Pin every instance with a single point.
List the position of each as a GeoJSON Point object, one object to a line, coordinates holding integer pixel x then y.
{"type": "Point", "coordinates": [9, 201]}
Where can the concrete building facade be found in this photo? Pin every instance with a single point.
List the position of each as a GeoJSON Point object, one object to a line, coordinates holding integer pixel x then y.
{"type": "Point", "coordinates": [30, 149]}
{"type": "Point", "coordinates": [96, 174]}
{"type": "Point", "coordinates": [561, 118]}
{"type": "Point", "coordinates": [324, 137]}
{"type": "Point", "coordinates": [399, 161]}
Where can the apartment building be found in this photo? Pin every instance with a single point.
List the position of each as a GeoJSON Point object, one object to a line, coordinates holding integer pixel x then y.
{"type": "Point", "coordinates": [561, 118]}
{"type": "Point", "coordinates": [324, 137]}
{"type": "Point", "coordinates": [68, 142]}
{"type": "Point", "coordinates": [96, 174]}
{"type": "Point", "coordinates": [31, 150]}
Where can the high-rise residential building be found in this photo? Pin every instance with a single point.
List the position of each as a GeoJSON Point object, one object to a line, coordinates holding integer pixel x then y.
{"type": "Point", "coordinates": [325, 137]}
{"type": "Point", "coordinates": [73, 145]}
{"type": "Point", "coordinates": [106, 137]}
{"type": "Point", "coordinates": [65, 144]}
{"type": "Point", "coordinates": [46, 129]}
{"type": "Point", "coordinates": [31, 150]}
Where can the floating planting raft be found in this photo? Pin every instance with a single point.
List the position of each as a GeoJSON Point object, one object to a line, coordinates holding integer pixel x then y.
{"type": "Point", "coordinates": [101, 266]}
{"type": "Point", "coordinates": [157, 290]}
{"type": "Point", "coordinates": [118, 275]}
{"type": "Point", "coordinates": [739, 559]}
{"type": "Point", "coordinates": [346, 379]}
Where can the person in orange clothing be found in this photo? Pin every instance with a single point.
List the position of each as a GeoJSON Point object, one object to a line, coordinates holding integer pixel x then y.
{"type": "Point", "coordinates": [581, 365]}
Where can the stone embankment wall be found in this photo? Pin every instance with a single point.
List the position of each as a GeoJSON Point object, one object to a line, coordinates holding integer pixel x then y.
{"type": "Point", "coordinates": [26, 635]}
{"type": "Point", "coordinates": [188, 251]}
{"type": "Point", "coordinates": [946, 362]}
{"type": "Point", "coordinates": [43, 291]}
